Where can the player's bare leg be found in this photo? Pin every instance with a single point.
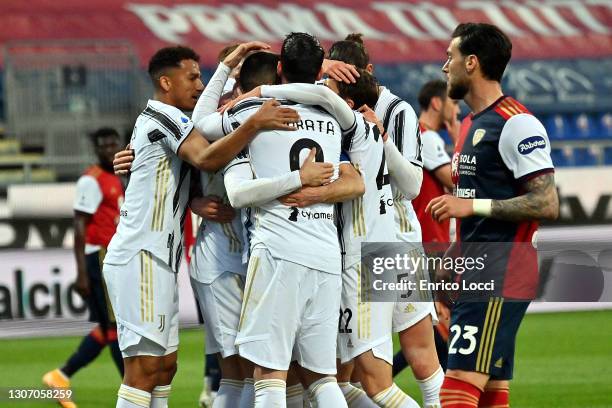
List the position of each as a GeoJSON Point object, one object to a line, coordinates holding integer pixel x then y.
{"type": "Point", "coordinates": [419, 348]}
{"type": "Point", "coordinates": [323, 390]}
{"type": "Point", "coordinates": [355, 397]}
{"type": "Point", "coordinates": [469, 384]}
{"type": "Point", "coordinates": [376, 376]}
{"type": "Point", "coordinates": [295, 390]}
{"type": "Point", "coordinates": [270, 387]}
{"type": "Point", "coordinates": [247, 397]}
{"type": "Point", "coordinates": [141, 377]}
{"type": "Point", "coordinates": [161, 392]}
{"type": "Point", "coordinates": [232, 381]}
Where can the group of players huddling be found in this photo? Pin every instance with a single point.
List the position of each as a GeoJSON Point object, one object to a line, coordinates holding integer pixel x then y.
{"type": "Point", "coordinates": [276, 258]}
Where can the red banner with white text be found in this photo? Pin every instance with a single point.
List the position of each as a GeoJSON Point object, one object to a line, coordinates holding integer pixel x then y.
{"type": "Point", "coordinates": [395, 31]}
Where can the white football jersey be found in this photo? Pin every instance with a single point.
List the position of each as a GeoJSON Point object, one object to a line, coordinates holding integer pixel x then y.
{"type": "Point", "coordinates": [434, 151]}
{"type": "Point", "coordinates": [153, 214]}
{"type": "Point", "coordinates": [219, 246]}
{"type": "Point", "coordinates": [306, 236]}
{"type": "Point", "coordinates": [402, 126]}
{"type": "Point", "coordinates": [369, 218]}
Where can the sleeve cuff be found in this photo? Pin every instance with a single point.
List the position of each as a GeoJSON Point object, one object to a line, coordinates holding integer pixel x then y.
{"type": "Point", "coordinates": [224, 68]}
{"type": "Point", "coordinates": [525, 178]}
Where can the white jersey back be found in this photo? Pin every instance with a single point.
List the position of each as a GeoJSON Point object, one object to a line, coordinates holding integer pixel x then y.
{"type": "Point", "coordinates": [402, 125]}
{"type": "Point", "coordinates": [153, 213]}
{"type": "Point", "coordinates": [306, 236]}
{"type": "Point", "coordinates": [369, 218]}
{"type": "Point", "coordinates": [218, 246]}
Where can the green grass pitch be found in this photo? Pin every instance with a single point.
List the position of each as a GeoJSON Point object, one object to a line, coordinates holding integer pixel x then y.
{"type": "Point", "coordinates": [564, 360]}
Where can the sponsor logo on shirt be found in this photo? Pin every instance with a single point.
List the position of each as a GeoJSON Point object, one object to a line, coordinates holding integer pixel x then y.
{"type": "Point", "coordinates": [528, 145]}
{"type": "Point", "coordinates": [308, 215]}
{"type": "Point", "coordinates": [466, 192]}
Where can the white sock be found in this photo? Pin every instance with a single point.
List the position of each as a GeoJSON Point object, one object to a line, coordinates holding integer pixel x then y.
{"type": "Point", "coordinates": [326, 393]}
{"type": "Point", "coordinates": [394, 397]}
{"type": "Point", "coordinates": [130, 397]}
{"type": "Point", "coordinates": [355, 397]}
{"type": "Point", "coordinates": [294, 395]}
{"type": "Point", "coordinates": [270, 394]}
{"type": "Point", "coordinates": [229, 394]}
{"type": "Point", "coordinates": [357, 385]}
{"type": "Point", "coordinates": [247, 397]}
{"type": "Point", "coordinates": [430, 388]}
{"type": "Point", "coordinates": [159, 396]}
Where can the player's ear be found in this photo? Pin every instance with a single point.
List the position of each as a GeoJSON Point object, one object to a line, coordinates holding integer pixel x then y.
{"type": "Point", "coordinates": [164, 83]}
{"type": "Point", "coordinates": [370, 68]}
{"type": "Point", "coordinates": [320, 74]}
{"type": "Point", "coordinates": [436, 103]}
{"type": "Point", "coordinates": [471, 63]}
{"type": "Point", "coordinates": [350, 103]}
{"type": "Point", "coordinates": [279, 69]}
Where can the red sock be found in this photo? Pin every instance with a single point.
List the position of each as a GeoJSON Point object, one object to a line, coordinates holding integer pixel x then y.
{"type": "Point", "coordinates": [495, 397]}
{"type": "Point", "coordinates": [459, 394]}
{"type": "Point", "coordinates": [111, 335]}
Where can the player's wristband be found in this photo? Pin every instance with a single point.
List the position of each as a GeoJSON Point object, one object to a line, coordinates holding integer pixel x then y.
{"type": "Point", "coordinates": [482, 206]}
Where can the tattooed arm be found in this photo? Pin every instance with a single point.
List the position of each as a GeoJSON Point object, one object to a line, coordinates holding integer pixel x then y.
{"type": "Point", "coordinates": [540, 202]}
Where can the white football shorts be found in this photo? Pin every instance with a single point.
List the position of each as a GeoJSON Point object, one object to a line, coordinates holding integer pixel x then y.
{"type": "Point", "coordinates": [144, 296]}
{"type": "Point", "coordinates": [220, 303]}
{"type": "Point", "coordinates": [289, 313]}
{"type": "Point", "coordinates": [363, 326]}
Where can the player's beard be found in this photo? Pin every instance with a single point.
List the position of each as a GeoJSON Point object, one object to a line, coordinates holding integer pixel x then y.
{"type": "Point", "coordinates": [458, 89]}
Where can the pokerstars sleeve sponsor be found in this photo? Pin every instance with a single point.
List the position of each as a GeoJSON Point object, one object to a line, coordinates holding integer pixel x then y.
{"type": "Point", "coordinates": [524, 145]}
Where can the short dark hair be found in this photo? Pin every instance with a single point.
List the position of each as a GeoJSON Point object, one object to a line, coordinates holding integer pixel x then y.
{"type": "Point", "coordinates": [258, 69]}
{"type": "Point", "coordinates": [103, 132]}
{"type": "Point", "coordinates": [350, 50]}
{"type": "Point", "coordinates": [362, 92]}
{"type": "Point", "coordinates": [430, 90]}
{"type": "Point", "coordinates": [492, 47]}
{"type": "Point", "coordinates": [169, 57]}
{"type": "Point", "coordinates": [301, 57]}
{"type": "Point", "coordinates": [225, 51]}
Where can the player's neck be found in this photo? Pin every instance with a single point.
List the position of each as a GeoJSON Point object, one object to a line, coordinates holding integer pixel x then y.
{"type": "Point", "coordinates": [482, 94]}
{"type": "Point", "coordinates": [163, 98]}
{"type": "Point", "coordinates": [430, 120]}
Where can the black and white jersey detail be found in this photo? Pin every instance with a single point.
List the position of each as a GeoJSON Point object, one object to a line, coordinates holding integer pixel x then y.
{"type": "Point", "coordinates": [369, 218]}
{"type": "Point", "coordinates": [402, 126]}
{"type": "Point", "coordinates": [302, 235]}
{"type": "Point", "coordinates": [152, 215]}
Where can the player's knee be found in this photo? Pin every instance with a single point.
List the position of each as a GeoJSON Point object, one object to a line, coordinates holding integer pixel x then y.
{"type": "Point", "coordinates": [375, 374]}
{"type": "Point", "coordinates": [142, 372]}
{"type": "Point", "coordinates": [230, 368]}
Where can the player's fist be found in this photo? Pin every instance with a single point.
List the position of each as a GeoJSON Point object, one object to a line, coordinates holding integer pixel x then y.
{"type": "Point", "coordinates": [448, 206]}
{"type": "Point", "coordinates": [212, 208]}
{"type": "Point", "coordinates": [81, 285]}
{"type": "Point", "coordinates": [314, 174]}
{"type": "Point", "coordinates": [123, 161]}
{"type": "Point", "coordinates": [271, 116]}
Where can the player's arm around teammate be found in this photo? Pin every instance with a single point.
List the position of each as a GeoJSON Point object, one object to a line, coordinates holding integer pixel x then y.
{"type": "Point", "coordinates": [244, 190]}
